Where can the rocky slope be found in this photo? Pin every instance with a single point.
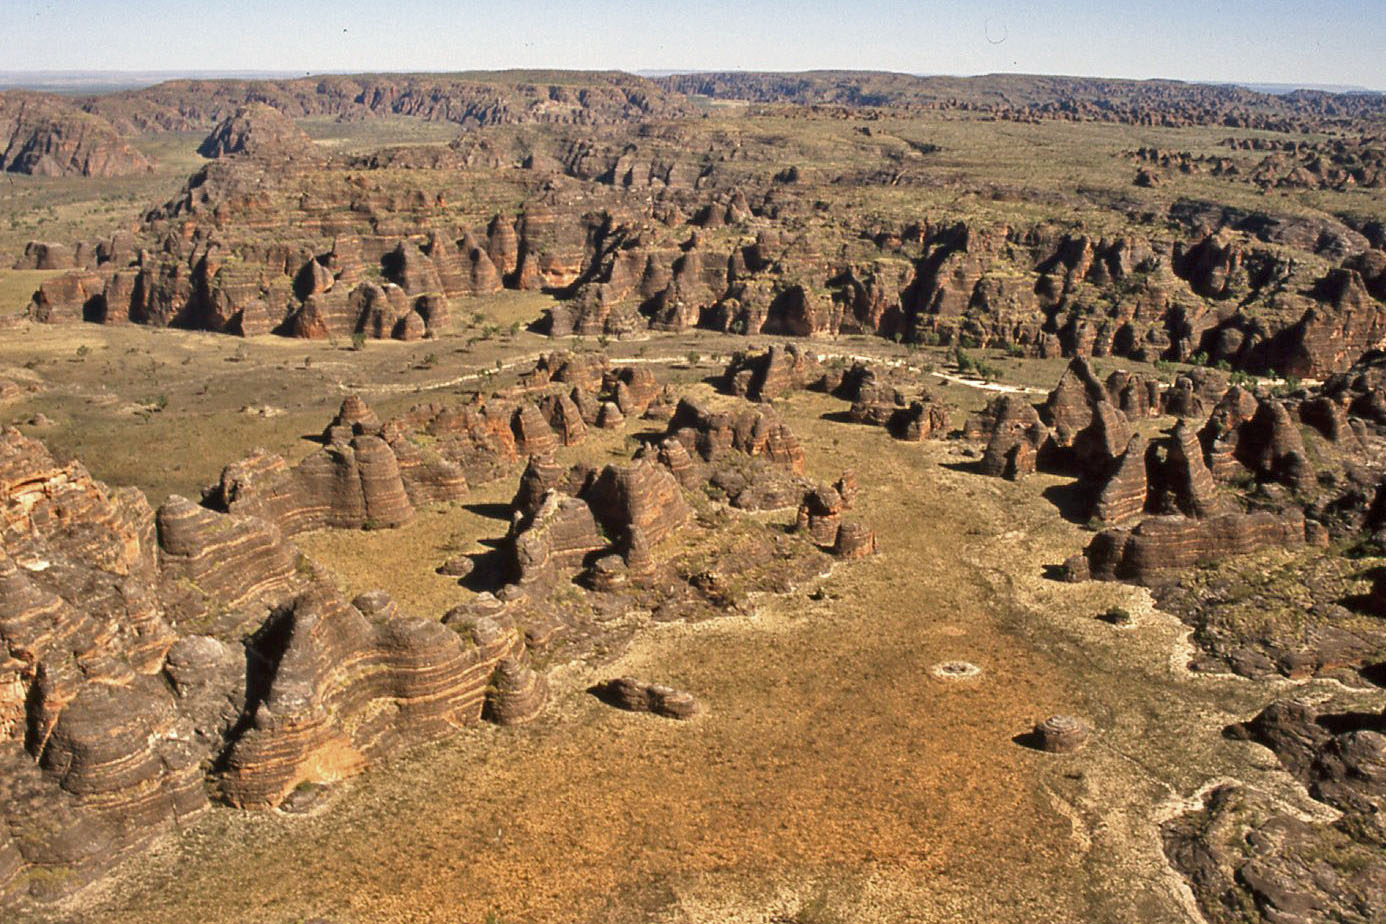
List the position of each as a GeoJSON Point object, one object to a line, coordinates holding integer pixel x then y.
{"type": "Point", "coordinates": [259, 130]}
{"type": "Point", "coordinates": [468, 99]}
{"type": "Point", "coordinates": [46, 135]}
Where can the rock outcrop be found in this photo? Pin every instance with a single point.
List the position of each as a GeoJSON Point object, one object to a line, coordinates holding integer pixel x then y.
{"type": "Point", "coordinates": [258, 130]}
{"type": "Point", "coordinates": [1061, 734]}
{"type": "Point", "coordinates": [1122, 498]}
{"type": "Point", "coordinates": [641, 496]}
{"type": "Point", "coordinates": [1159, 547]}
{"type": "Point", "coordinates": [126, 698]}
{"type": "Point", "coordinates": [1070, 407]}
{"type": "Point", "coordinates": [772, 374]}
{"type": "Point", "coordinates": [635, 696]}
{"type": "Point", "coordinates": [341, 691]}
{"type": "Point", "coordinates": [1243, 849]}
{"type": "Point", "coordinates": [1247, 857]}
{"type": "Point", "coordinates": [554, 542]}
{"type": "Point", "coordinates": [46, 135]}
{"type": "Point", "coordinates": [369, 476]}
{"type": "Point", "coordinates": [1016, 435]}
{"type": "Point", "coordinates": [1186, 479]}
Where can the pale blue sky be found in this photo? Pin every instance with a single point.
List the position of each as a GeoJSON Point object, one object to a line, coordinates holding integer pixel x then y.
{"type": "Point", "coordinates": [1331, 41]}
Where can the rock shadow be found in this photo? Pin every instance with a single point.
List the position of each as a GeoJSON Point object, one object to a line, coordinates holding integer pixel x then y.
{"type": "Point", "coordinates": [719, 382]}
{"type": "Point", "coordinates": [604, 694]}
{"type": "Point", "coordinates": [1030, 740]}
{"type": "Point", "coordinates": [1338, 723]}
{"type": "Point", "coordinates": [1374, 673]}
{"type": "Point", "coordinates": [971, 466]}
{"type": "Point", "coordinates": [1073, 501]}
{"type": "Point", "coordinates": [490, 511]}
{"type": "Point", "coordinates": [650, 437]}
{"type": "Point", "coordinates": [488, 572]}
{"type": "Point", "coordinates": [1363, 603]}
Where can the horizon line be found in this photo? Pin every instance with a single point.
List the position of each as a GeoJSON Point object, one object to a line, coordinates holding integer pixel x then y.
{"type": "Point", "coordinates": [8, 76]}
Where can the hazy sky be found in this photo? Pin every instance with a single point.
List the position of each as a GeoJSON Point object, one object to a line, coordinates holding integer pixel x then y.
{"type": "Point", "coordinates": [1330, 41]}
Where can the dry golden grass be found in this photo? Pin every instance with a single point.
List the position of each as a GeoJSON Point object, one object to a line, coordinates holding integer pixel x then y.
{"type": "Point", "coordinates": [18, 286]}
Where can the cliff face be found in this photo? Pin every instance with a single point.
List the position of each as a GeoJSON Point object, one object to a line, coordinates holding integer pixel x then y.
{"type": "Point", "coordinates": [47, 136]}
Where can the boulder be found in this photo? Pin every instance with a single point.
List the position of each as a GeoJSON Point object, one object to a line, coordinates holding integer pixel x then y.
{"type": "Point", "coordinates": [637, 696]}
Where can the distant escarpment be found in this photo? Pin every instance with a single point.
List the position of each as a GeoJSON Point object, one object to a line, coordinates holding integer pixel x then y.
{"type": "Point", "coordinates": [1026, 97]}
{"type": "Point", "coordinates": [655, 237]}
{"type": "Point", "coordinates": [46, 135]}
{"type": "Point", "coordinates": [467, 99]}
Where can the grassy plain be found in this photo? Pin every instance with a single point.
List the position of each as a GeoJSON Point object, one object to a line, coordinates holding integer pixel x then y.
{"type": "Point", "coordinates": [832, 778]}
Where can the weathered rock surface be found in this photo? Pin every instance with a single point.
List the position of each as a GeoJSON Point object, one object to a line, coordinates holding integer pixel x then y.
{"type": "Point", "coordinates": [340, 691]}
{"type": "Point", "coordinates": [641, 496]}
{"type": "Point", "coordinates": [772, 374]}
{"type": "Point", "coordinates": [1340, 758]}
{"type": "Point", "coordinates": [1123, 497]}
{"type": "Point", "coordinates": [1186, 479]}
{"type": "Point", "coordinates": [1061, 734]}
{"type": "Point", "coordinates": [1016, 435]}
{"type": "Point", "coordinates": [369, 476]}
{"type": "Point", "coordinates": [46, 135]}
{"type": "Point", "coordinates": [1159, 547]}
{"type": "Point", "coordinates": [854, 540]}
{"type": "Point", "coordinates": [554, 542]}
{"type": "Point", "coordinates": [1242, 851]}
{"type": "Point", "coordinates": [1248, 859]}
{"type": "Point", "coordinates": [127, 697]}
{"type": "Point", "coordinates": [258, 130]}
{"type": "Point", "coordinates": [1070, 406]}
